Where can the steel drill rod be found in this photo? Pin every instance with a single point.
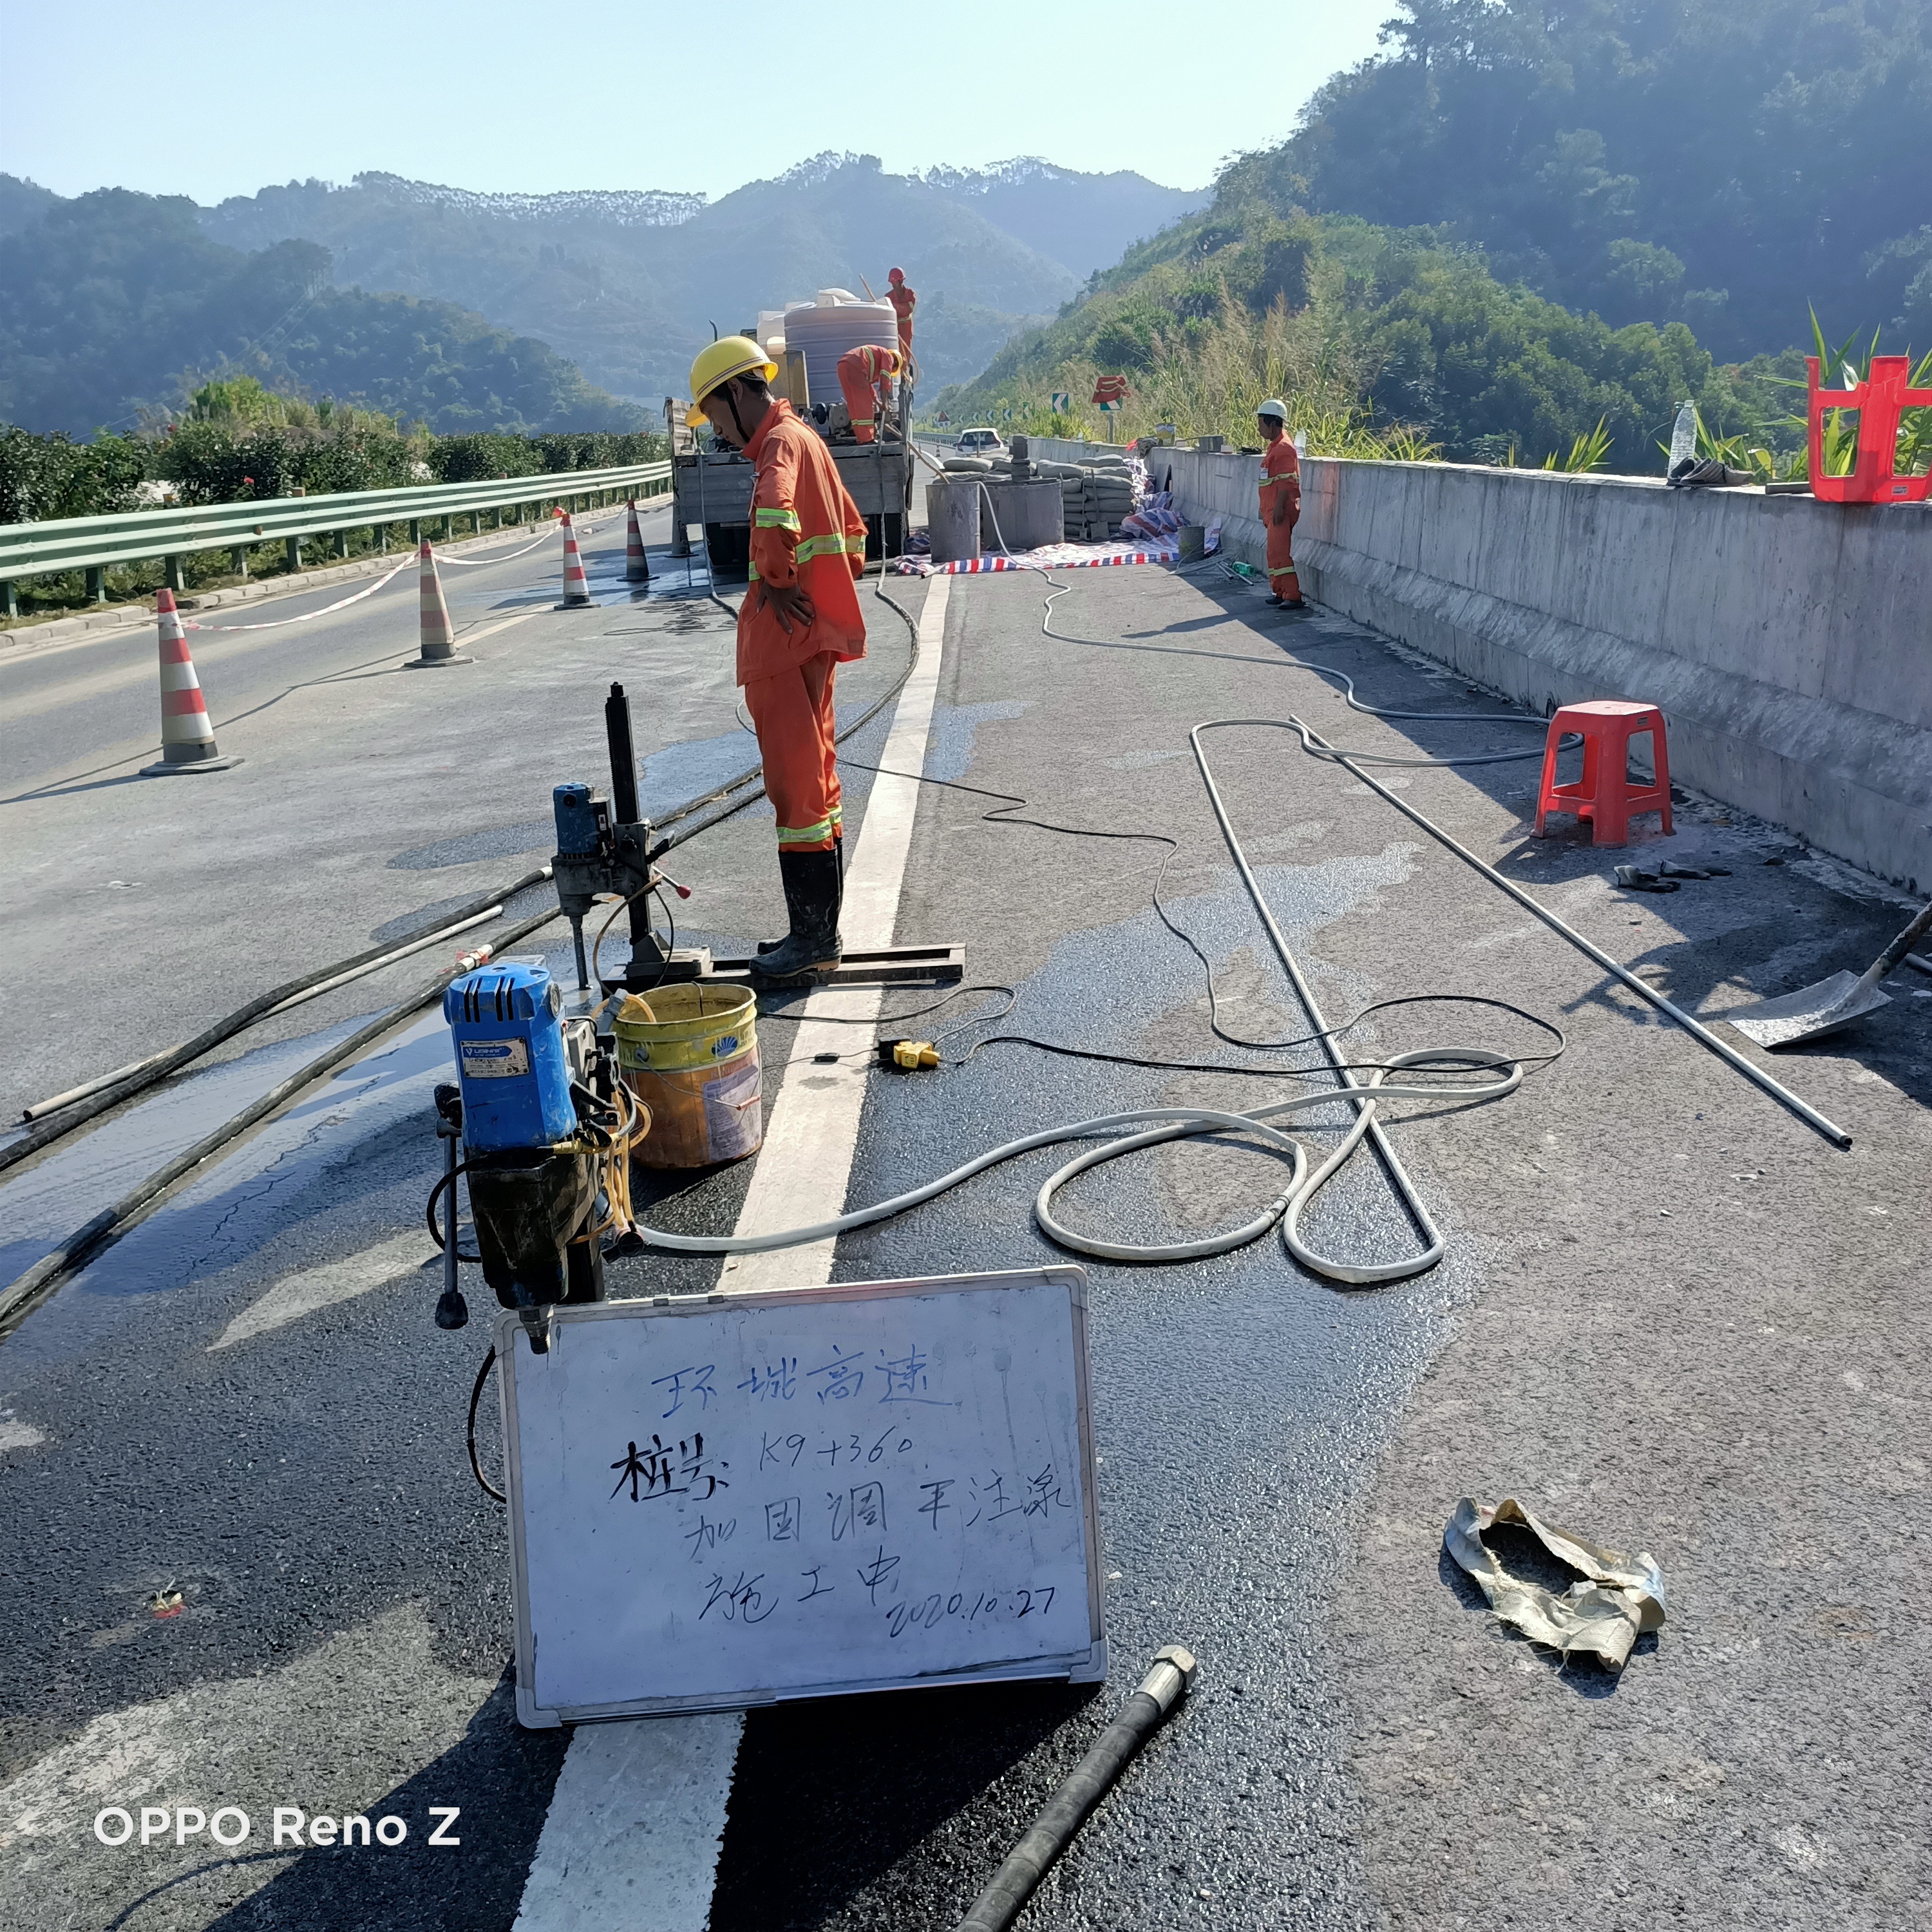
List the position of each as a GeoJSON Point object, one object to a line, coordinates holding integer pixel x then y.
{"type": "Point", "coordinates": [26, 1292]}
{"type": "Point", "coordinates": [1698, 1031]}
{"type": "Point", "coordinates": [146, 1073]}
{"type": "Point", "coordinates": [1067, 1810]}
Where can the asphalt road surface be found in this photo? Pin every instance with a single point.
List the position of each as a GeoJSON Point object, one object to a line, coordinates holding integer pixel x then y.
{"type": "Point", "coordinates": [251, 1568]}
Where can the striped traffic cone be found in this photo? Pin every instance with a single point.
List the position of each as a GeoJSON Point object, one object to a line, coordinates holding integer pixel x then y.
{"type": "Point", "coordinates": [637, 568]}
{"type": "Point", "coordinates": [188, 738]}
{"type": "Point", "coordinates": [576, 586]}
{"type": "Point", "coordinates": [438, 634]}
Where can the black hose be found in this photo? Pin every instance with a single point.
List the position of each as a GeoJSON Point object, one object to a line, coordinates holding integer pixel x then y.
{"type": "Point", "coordinates": [28, 1290]}
{"type": "Point", "coordinates": [447, 1180]}
{"type": "Point", "coordinates": [95, 1104]}
{"type": "Point", "coordinates": [752, 797]}
{"type": "Point", "coordinates": [109, 1097]}
{"type": "Point", "coordinates": [475, 1396]}
{"type": "Point", "coordinates": [1067, 1810]}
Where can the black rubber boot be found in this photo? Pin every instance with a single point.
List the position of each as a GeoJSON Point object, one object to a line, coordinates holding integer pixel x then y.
{"type": "Point", "coordinates": [812, 889]}
{"type": "Point", "coordinates": [771, 945]}
{"type": "Point", "coordinates": [788, 878]}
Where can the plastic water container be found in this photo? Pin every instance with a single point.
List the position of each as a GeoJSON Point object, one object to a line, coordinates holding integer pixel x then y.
{"type": "Point", "coordinates": [506, 1029]}
{"type": "Point", "coordinates": [690, 1053]}
{"type": "Point", "coordinates": [824, 331]}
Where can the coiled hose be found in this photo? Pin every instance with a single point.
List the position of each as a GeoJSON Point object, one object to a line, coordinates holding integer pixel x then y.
{"type": "Point", "coordinates": [1137, 1129]}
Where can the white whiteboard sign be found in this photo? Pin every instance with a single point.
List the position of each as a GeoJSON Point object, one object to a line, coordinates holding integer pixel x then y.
{"type": "Point", "coordinates": [722, 1502]}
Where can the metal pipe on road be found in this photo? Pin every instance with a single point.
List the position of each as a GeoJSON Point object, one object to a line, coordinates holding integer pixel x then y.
{"type": "Point", "coordinates": [116, 1087]}
{"type": "Point", "coordinates": [19, 1298]}
{"type": "Point", "coordinates": [375, 965]}
{"type": "Point", "coordinates": [1313, 741]}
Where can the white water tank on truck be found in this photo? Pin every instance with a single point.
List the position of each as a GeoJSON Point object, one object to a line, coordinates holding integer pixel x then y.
{"type": "Point", "coordinates": [825, 330]}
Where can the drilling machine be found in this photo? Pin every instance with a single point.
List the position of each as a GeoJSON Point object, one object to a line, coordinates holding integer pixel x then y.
{"type": "Point", "coordinates": [536, 1107]}
{"type": "Point", "coordinates": [603, 849]}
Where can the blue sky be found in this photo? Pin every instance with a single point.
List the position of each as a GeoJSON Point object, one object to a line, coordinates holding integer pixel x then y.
{"type": "Point", "coordinates": [207, 98]}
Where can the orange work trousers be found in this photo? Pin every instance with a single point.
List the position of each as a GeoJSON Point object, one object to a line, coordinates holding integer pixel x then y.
{"type": "Point", "coordinates": [792, 714]}
{"type": "Point", "coordinates": [1282, 580]}
{"type": "Point", "coordinates": [858, 377]}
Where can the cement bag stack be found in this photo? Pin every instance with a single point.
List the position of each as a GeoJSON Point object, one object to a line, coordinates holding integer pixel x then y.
{"type": "Point", "coordinates": [1096, 505]}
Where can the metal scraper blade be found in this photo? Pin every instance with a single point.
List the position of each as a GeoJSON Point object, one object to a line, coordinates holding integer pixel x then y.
{"type": "Point", "coordinates": [1809, 1013]}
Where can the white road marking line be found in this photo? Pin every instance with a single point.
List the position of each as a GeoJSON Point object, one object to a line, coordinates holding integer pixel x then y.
{"type": "Point", "coordinates": [19, 1435]}
{"type": "Point", "coordinates": [303, 1292]}
{"type": "Point", "coordinates": [611, 1844]}
{"type": "Point", "coordinates": [490, 630]}
{"type": "Point", "coordinates": [335, 1730]}
{"type": "Point", "coordinates": [813, 1128]}
{"type": "Point", "coordinates": [632, 1836]}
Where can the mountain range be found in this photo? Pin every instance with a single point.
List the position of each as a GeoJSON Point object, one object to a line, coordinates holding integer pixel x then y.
{"type": "Point", "coordinates": [628, 284]}
{"type": "Point", "coordinates": [523, 312]}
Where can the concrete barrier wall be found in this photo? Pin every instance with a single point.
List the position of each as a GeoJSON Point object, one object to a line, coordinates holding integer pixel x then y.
{"type": "Point", "coordinates": [1788, 642]}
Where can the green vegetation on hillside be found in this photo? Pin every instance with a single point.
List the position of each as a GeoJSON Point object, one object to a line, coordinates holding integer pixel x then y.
{"type": "Point", "coordinates": [1521, 231]}
{"type": "Point", "coordinates": [113, 305]}
{"type": "Point", "coordinates": [1716, 162]}
{"type": "Point", "coordinates": [628, 285]}
{"type": "Point", "coordinates": [1384, 343]}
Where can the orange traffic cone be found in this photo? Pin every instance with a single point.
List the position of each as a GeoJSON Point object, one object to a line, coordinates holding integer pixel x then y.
{"type": "Point", "coordinates": [576, 586]}
{"type": "Point", "coordinates": [437, 635]}
{"type": "Point", "coordinates": [636, 566]}
{"type": "Point", "coordinates": [188, 738]}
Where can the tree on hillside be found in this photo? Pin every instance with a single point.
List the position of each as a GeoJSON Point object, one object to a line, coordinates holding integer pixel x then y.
{"type": "Point", "coordinates": [1719, 162]}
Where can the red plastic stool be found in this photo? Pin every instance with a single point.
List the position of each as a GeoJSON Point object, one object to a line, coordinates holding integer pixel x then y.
{"type": "Point", "coordinates": [1605, 795]}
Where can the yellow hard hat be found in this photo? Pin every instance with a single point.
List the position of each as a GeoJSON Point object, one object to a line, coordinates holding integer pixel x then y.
{"type": "Point", "coordinates": [717, 363]}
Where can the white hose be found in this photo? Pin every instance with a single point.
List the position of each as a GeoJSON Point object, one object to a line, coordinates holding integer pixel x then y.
{"type": "Point", "coordinates": [1178, 1123]}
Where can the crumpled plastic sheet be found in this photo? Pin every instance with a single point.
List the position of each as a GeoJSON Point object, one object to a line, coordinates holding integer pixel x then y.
{"type": "Point", "coordinates": [1616, 1598]}
{"type": "Point", "coordinates": [1049, 557]}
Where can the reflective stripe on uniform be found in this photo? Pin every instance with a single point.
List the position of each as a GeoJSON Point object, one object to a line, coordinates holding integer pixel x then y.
{"type": "Point", "coordinates": [805, 835]}
{"type": "Point", "coordinates": [776, 520]}
{"type": "Point", "coordinates": [834, 545]}
{"type": "Point", "coordinates": [1286, 570]}
{"type": "Point", "coordinates": [1283, 476]}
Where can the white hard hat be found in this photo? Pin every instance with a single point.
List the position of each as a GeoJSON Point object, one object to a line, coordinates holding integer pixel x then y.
{"type": "Point", "coordinates": [1273, 406]}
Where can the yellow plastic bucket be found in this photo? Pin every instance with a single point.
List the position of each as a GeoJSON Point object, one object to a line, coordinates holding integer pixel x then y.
{"type": "Point", "coordinates": [690, 1053]}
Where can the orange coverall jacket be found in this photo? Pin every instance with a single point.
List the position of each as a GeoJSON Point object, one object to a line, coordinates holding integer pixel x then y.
{"type": "Point", "coordinates": [1281, 476]}
{"type": "Point", "coordinates": [1281, 470]}
{"type": "Point", "coordinates": [806, 530]}
{"type": "Point", "coordinates": [904, 302]}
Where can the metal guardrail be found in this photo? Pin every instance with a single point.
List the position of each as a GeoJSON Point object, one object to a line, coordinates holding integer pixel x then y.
{"type": "Point", "coordinates": [93, 543]}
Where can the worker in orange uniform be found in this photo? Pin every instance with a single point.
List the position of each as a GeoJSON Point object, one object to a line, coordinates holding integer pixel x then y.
{"type": "Point", "coordinates": [904, 302]}
{"type": "Point", "coordinates": [1281, 503]}
{"type": "Point", "coordinates": [799, 621]}
{"type": "Point", "coordinates": [866, 375]}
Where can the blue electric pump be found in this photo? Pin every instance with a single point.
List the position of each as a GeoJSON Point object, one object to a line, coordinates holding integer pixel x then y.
{"type": "Point", "coordinates": [505, 1026]}
{"type": "Point", "coordinates": [533, 1107]}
